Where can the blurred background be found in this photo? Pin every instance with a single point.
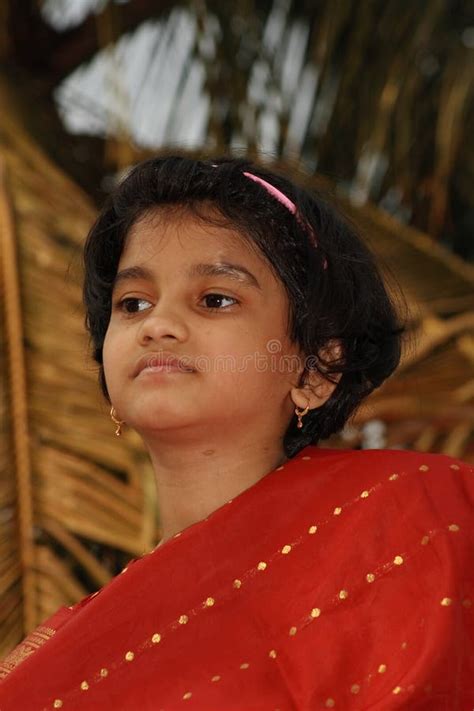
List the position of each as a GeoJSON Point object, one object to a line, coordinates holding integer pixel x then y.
{"type": "Point", "coordinates": [371, 100]}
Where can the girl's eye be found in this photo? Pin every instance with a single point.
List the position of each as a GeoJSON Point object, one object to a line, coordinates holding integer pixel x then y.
{"type": "Point", "coordinates": [215, 298]}
{"type": "Point", "coordinates": [123, 305]}
{"type": "Point", "coordinates": [127, 305]}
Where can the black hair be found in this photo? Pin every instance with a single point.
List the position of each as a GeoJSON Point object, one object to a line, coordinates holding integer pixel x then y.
{"type": "Point", "coordinates": [348, 301]}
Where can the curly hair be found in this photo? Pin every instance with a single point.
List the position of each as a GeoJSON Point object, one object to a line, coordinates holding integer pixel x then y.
{"type": "Point", "coordinates": [344, 300]}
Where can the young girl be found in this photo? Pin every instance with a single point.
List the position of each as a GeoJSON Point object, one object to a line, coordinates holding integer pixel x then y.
{"type": "Point", "coordinates": [237, 321]}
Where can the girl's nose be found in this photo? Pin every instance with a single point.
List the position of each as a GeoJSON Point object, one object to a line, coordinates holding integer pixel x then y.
{"type": "Point", "coordinates": [161, 322]}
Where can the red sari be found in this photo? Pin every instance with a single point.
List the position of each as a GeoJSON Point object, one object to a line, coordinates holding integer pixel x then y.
{"type": "Point", "coordinates": [343, 579]}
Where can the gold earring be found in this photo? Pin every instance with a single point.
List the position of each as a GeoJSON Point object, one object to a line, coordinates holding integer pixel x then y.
{"type": "Point", "coordinates": [301, 413]}
{"type": "Point", "coordinates": [117, 422]}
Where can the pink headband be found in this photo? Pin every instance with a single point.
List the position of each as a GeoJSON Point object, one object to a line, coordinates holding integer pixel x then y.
{"type": "Point", "coordinates": [289, 204]}
{"type": "Point", "coordinates": [274, 191]}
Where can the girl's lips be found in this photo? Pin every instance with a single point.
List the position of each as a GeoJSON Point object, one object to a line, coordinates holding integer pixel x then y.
{"type": "Point", "coordinates": [162, 360]}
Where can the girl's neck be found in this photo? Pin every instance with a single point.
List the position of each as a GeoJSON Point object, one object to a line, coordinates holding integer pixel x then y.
{"type": "Point", "coordinates": [199, 480]}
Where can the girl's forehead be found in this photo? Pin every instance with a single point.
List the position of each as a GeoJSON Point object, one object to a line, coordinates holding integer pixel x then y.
{"type": "Point", "coordinates": [182, 225]}
{"type": "Point", "coordinates": [181, 237]}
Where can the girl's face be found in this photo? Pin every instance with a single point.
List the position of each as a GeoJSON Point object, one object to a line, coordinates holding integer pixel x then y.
{"type": "Point", "coordinates": [229, 323]}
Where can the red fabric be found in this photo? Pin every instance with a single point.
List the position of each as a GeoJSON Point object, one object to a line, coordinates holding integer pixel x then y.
{"type": "Point", "coordinates": [400, 639]}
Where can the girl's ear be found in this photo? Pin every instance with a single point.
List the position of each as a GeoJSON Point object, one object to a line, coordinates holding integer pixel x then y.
{"type": "Point", "coordinates": [316, 389]}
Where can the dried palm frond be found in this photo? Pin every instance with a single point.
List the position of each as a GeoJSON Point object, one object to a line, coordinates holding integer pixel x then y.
{"type": "Point", "coordinates": [68, 486]}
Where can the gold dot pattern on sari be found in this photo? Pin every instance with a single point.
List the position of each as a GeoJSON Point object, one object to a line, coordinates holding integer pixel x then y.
{"type": "Point", "coordinates": [353, 687]}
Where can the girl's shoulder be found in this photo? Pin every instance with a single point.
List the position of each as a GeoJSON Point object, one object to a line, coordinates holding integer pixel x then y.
{"type": "Point", "coordinates": [408, 474]}
{"type": "Point", "coordinates": [381, 460]}
{"type": "Point", "coordinates": [409, 455]}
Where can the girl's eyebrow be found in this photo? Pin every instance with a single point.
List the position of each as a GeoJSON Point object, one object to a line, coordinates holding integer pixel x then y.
{"type": "Point", "coordinates": [232, 271]}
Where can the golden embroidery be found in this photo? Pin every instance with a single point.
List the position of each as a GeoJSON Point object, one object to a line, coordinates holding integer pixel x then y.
{"type": "Point", "coordinates": [245, 665]}
{"type": "Point", "coordinates": [272, 653]}
{"type": "Point", "coordinates": [57, 703]}
{"type": "Point", "coordinates": [382, 669]}
{"type": "Point", "coordinates": [364, 494]}
{"type": "Point", "coordinates": [355, 688]}
{"type": "Point", "coordinates": [237, 583]}
{"type": "Point", "coordinates": [129, 656]}
{"type": "Point", "coordinates": [370, 577]}
{"type": "Point", "coordinates": [453, 527]}
{"type": "Point", "coordinates": [187, 695]}
{"type": "Point", "coordinates": [84, 685]}
{"type": "Point", "coordinates": [343, 594]}
{"type": "Point", "coordinates": [183, 619]}
{"type": "Point", "coordinates": [156, 638]}
{"type": "Point", "coordinates": [330, 703]}
{"type": "Point", "coordinates": [215, 678]}
{"type": "Point", "coordinates": [446, 601]}
{"type": "Point", "coordinates": [315, 612]}
{"type": "Point", "coordinates": [312, 529]}
{"type": "Point", "coordinates": [286, 549]}
{"type": "Point", "coordinates": [337, 511]}
{"type": "Point", "coordinates": [398, 560]}
{"type": "Point", "coordinates": [28, 646]}
{"type": "Point", "coordinates": [262, 565]}
{"type": "Point", "coordinates": [209, 602]}
{"type": "Point", "coordinates": [423, 468]}
{"type": "Point", "coordinates": [396, 690]}
{"type": "Point", "coordinates": [293, 631]}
